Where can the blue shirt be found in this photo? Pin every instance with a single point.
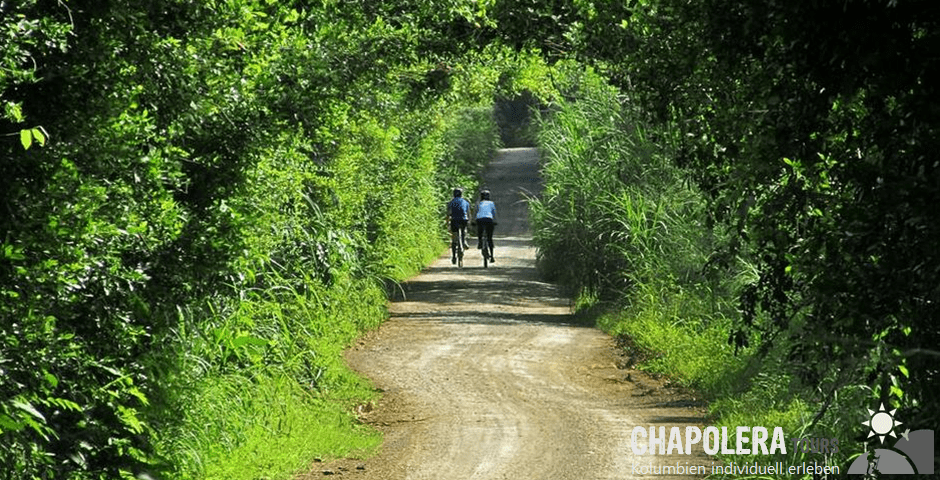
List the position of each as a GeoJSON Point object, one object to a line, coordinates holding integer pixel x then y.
{"type": "Point", "coordinates": [486, 209]}
{"type": "Point", "coordinates": [458, 209]}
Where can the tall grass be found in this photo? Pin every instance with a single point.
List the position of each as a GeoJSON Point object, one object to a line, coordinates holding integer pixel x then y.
{"type": "Point", "coordinates": [614, 212]}
{"type": "Point", "coordinates": [263, 377]}
{"type": "Point", "coordinates": [622, 228]}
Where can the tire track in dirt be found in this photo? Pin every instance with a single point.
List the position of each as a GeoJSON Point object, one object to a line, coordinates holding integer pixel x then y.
{"type": "Point", "coordinates": [486, 375]}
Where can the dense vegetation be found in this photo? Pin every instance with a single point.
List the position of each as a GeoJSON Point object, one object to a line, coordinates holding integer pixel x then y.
{"type": "Point", "coordinates": [635, 259]}
{"type": "Point", "coordinates": [803, 224]}
{"type": "Point", "coordinates": [202, 201]}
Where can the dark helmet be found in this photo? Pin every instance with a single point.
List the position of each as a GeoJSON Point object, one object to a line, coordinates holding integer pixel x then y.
{"type": "Point", "coordinates": [485, 195]}
{"type": "Point", "coordinates": [458, 192]}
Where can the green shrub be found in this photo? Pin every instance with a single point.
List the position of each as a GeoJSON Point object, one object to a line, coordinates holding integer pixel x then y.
{"type": "Point", "coordinates": [222, 193]}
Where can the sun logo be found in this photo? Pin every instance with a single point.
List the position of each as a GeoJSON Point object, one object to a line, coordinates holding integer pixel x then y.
{"type": "Point", "coordinates": [882, 423]}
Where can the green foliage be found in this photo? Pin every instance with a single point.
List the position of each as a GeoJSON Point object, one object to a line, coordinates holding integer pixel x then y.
{"type": "Point", "coordinates": [264, 386]}
{"type": "Point", "coordinates": [28, 33]}
{"type": "Point", "coordinates": [682, 336]}
{"type": "Point", "coordinates": [807, 126]}
{"type": "Point", "coordinates": [817, 152]}
{"type": "Point", "coordinates": [620, 224]}
{"type": "Point", "coordinates": [223, 191]}
{"type": "Point", "coordinates": [474, 137]}
{"type": "Point", "coordinates": [614, 211]}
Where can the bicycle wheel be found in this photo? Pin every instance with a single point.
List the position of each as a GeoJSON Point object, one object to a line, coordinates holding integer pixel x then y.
{"type": "Point", "coordinates": [456, 252]}
{"type": "Point", "coordinates": [489, 248]}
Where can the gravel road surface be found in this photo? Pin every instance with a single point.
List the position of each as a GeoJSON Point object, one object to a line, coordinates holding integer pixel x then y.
{"type": "Point", "coordinates": [486, 375]}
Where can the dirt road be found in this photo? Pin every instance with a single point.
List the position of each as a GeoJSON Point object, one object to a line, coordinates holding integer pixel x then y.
{"type": "Point", "coordinates": [487, 376]}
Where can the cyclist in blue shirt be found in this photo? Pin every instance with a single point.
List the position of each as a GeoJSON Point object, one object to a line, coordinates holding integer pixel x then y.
{"type": "Point", "coordinates": [486, 220]}
{"type": "Point", "coordinates": [458, 214]}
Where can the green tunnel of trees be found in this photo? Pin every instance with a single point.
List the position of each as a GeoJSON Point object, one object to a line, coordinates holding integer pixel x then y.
{"type": "Point", "coordinates": [202, 202]}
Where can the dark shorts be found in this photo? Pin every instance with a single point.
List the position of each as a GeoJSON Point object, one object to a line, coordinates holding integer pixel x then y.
{"type": "Point", "coordinates": [457, 225]}
{"type": "Point", "coordinates": [485, 226]}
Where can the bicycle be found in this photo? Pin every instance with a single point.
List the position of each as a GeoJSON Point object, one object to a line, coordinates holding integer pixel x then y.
{"type": "Point", "coordinates": [485, 221]}
{"type": "Point", "coordinates": [486, 245]}
{"type": "Point", "coordinates": [487, 254]}
{"type": "Point", "coordinates": [458, 211]}
{"type": "Point", "coordinates": [457, 239]}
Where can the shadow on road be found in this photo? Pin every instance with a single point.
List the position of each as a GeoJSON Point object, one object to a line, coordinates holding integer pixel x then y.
{"type": "Point", "coordinates": [482, 317]}
{"type": "Point", "coordinates": [508, 292]}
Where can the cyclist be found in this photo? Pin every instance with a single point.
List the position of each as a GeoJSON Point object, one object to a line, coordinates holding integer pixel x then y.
{"type": "Point", "coordinates": [458, 213]}
{"type": "Point", "coordinates": [486, 220]}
